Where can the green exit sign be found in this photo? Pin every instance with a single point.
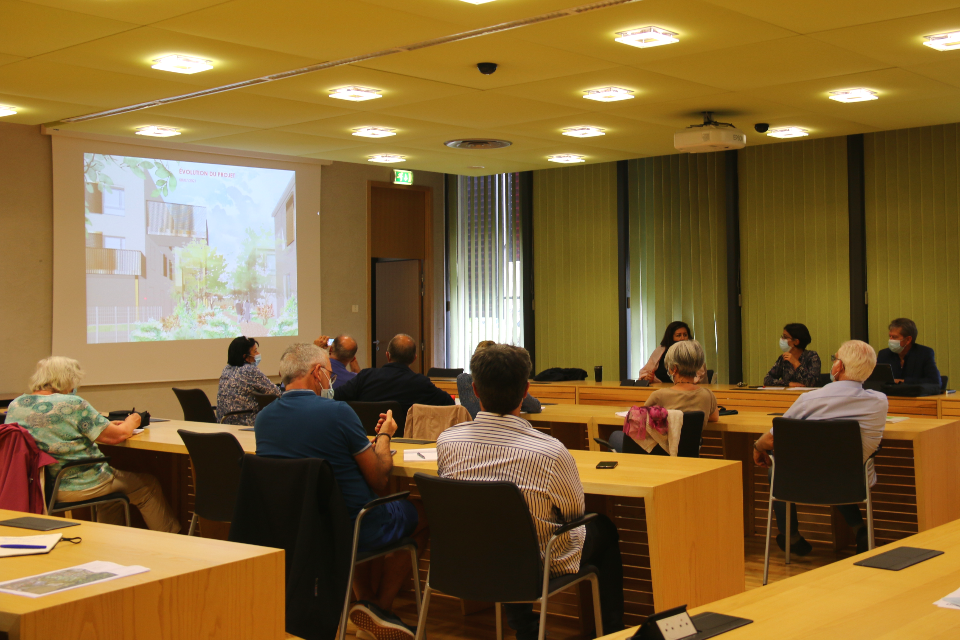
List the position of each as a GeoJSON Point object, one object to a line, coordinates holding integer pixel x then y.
{"type": "Point", "coordinates": [402, 176]}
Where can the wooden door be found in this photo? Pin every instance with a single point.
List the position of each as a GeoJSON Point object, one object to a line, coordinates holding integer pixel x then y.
{"type": "Point", "coordinates": [397, 306]}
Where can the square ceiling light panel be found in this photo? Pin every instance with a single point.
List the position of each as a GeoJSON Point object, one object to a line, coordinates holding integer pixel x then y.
{"type": "Point", "coordinates": [186, 65]}
{"type": "Point", "coordinates": [647, 37]}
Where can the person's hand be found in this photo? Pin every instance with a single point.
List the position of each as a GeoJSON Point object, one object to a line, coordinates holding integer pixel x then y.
{"type": "Point", "coordinates": [134, 419]}
{"type": "Point", "coordinates": [322, 342]}
{"type": "Point", "coordinates": [761, 458]}
{"type": "Point", "coordinates": [895, 381]}
{"type": "Point", "coordinates": [647, 376]}
{"type": "Point", "coordinates": [387, 425]}
{"type": "Point", "coordinates": [791, 359]}
{"type": "Point", "coordinates": [354, 366]}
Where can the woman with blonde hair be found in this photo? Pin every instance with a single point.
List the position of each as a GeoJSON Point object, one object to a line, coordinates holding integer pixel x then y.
{"type": "Point", "coordinates": [69, 429]}
{"type": "Point", "coordinates": [683, 362]}
{"type": "Point", "coordinates": [469, 400]}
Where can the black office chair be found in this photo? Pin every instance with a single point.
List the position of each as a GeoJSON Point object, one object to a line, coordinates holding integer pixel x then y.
{"type": "Point", "coordinates": [691, 437]}
{"type": "Point", "coordinates": [216, 459]}
{"type": "Point", "coordinates": [805, 471]}
{"type": "Point", "coordinates": [197, 408]}
{"type": "Point", "coordinates": [709, 376]}
{"type": "Point", "coordinates": [823, 380]}
{"type": "Point", "coordinates": [434, 372]}
{"type": "Point", "coordinates": [369, 414]}
{"type": "Point", "coordinates": [483, 547]}
{"type": "Point", "coordinates": [943, 382]}
{"type": "Point", "coordinates": [52, 487]}
{"type": "Point", "coordinates": [263, 399]}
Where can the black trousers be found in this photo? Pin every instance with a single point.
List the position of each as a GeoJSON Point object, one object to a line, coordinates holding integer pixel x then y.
{"type": "Point", "coordinates": [850, 512]}
{"type": "Point", "coordinates": [601, 549]}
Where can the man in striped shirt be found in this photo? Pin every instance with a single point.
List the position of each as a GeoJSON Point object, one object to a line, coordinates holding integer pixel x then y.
{"type": "Point", "coordinates": [500, 446]}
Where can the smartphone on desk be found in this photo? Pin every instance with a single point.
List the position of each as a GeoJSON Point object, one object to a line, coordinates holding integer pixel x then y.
{"type": "Point", "coordinates": [609, 464]}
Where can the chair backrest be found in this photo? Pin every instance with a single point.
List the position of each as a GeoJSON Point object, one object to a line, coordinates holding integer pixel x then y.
{"type": "Point", "coordinates": [427, 422]}
{"type": "Point", "coordinates": [195, 404]}
{"type": "Point", "coordinates": [691, 434]}
{"type": "Point", "coordinates": [943, 382]}
{"type": "Point", "coordinates": [483, 545]}
{"type": "Point", "coordinates": [263, 399]}
{"type": "Point", "coordinates": [434, 372]}
{"type": "Point", "coordinates": [823, 380]}
{"type": "Point", "coordinates": [709, 376]}
{"type": "Point", "coordinates": [216, 459]}
{"type": "Point", "coordinates": [818, 461]}
{"type": "Point", "coordinates": [369, 414]}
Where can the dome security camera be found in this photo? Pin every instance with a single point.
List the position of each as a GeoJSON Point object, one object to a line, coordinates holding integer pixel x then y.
{"type": "Point", "coordinates": [486, 68]}
{"type": "Point", "coordinates": [761, 127]}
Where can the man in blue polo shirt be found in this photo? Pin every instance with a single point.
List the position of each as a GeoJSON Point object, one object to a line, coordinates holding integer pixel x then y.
{"type": "Point", "coordinates": [911, 363]}
{"type": "Point", "coordinates": [305, 423]}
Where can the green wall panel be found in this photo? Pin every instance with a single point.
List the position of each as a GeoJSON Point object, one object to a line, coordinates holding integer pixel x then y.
{"type": "Point", "coordinates": [913, 234]}
{"type": "Point", "coordinates": [794, 243]}
{"type": "Point", "coordinates": [678, 254]}
{"type": "Point", "coordinates": [575, 268]}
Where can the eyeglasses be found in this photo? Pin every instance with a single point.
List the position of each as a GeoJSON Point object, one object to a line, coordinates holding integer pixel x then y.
{"type": "Point", "coordinates": [834, 358]}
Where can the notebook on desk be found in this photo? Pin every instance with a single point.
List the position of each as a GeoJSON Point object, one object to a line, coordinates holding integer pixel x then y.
{"type": "Point", "coordinates": [899, 558]}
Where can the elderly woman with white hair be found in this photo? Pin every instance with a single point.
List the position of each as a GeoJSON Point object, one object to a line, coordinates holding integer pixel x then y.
{"type": "Point", "coordinates": [843, 399]}
{"type": "Point", "coordinates": [684, 361]}
{"type": "Point", "coordinates": [68, 428]}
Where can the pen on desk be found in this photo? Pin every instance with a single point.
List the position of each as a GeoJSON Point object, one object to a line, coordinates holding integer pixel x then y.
{"type": "Point", "coordinates": [23, 546]}
{"type": "Point", "coordinates": [420, 455]}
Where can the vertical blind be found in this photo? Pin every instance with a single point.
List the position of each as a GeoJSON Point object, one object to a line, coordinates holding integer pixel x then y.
{"type": "Point", "coordinates": [575, 268]}
{"type": "Point", "coordinates": [486, 287]}
{"type": "Point", "coordinates": [912, 185]}
{"type": "Point", "coordinates": [678, 253]}
{"type": "Point", "coordinates": [794, 248]}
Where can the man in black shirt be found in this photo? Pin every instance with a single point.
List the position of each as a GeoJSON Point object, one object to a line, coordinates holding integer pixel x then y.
{"type": "Point", "coordinates": [912, 363]}
{"type": "Point", "coordinates": [394, 381]}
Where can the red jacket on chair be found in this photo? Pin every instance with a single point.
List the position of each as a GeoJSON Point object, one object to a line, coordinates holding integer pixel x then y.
{"type": "Point", "coordinates": [21, 468]}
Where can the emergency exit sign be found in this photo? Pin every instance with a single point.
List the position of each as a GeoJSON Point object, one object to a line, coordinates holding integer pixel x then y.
{"type": "Point", "coordinates": [402, 176]}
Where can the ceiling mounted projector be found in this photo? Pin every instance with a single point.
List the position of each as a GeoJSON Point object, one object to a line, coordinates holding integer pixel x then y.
{"type": "Point", "coordinates": [709, 136]}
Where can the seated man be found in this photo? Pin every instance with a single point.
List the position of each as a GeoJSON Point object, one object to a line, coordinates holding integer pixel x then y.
{"type": "Point", "coordinates": [303, 424]}
{"type": "Point", "coordinates": [343, 357]}
{"type": "Point", "coordinates": [395, 381]}
{"type": "Point", "coordinates": [912, 363]}
{"type": "Point", "coordinates": [500, 446]}
{"type": "Point", "coordinates": [844, 399]}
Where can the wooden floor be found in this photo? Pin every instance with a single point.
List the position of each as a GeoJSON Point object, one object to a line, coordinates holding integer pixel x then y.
{"type": "Point", "coordinates": [447, 623]}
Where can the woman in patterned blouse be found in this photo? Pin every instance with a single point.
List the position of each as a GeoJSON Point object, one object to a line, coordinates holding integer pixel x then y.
{"type": "Point", "coordinates": [797, 367]}
{"type": "Point", "coordinates": [241, 378]}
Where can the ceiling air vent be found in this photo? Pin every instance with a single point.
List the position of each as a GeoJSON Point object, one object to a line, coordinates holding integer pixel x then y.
{"type": "Point", "coordinates": [478, 144]}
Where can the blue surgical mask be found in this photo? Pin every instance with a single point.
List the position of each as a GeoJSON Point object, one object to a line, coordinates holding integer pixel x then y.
{"type": "Point", "coordinates": [327, 393]}
{"type": "Point", "coordinates": [895, 346]}
{"type": "Point", "coordinates": [256, 360]}
{"type": "Point", "coordinates": [784, 345]}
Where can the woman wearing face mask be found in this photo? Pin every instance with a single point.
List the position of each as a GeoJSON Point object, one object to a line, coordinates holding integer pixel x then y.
{"type": "Point", "coordinates": [683, 362]}
{"type": "Point", "coordinates": [655, 370]}
{"type": "Point", "coordinates": [241, 378]}
{"type": "Point", "coordinates": [797, 367]}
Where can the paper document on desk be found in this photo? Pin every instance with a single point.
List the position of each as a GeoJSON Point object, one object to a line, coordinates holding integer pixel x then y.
{"type": "Point", "coordinates": [771, 388]}
{"type": "Point", "coordinates": [803, 388]}
{"type": "Point", "coordinates": [45, 543]}
{"type": "Point", "coordinates": [897, 418]}
{"type": "Point", "coordinates": [66, 579]}
{"type": "Point", "coordinates": [951, 601]}
{"type": "Point", "coordinates": [419, 455]}
{"type": "Point", "coordinates": [621, 414]}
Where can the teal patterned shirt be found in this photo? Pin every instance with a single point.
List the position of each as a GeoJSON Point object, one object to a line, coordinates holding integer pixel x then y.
{"type": "Point", "coordinates": [66, 427]}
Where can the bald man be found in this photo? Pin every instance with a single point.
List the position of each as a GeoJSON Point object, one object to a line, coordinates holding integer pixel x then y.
{"type": "Point", "coordinates": [343, 357]}
{"type": "Point", "coordinates": [395, 381]}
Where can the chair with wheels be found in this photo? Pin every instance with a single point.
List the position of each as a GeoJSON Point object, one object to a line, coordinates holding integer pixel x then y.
{"type": "Point", "coordinates": [483, 547]}
{"type": "Point", "coordinates": [197, 408]}
{"type": "Point", "coordinates": [369, 414]}
{"type": "Point", "coordinates": [434, 372]}
{"type": "Point", "coordinates": [806, 471]}
{"type": "Point", "coordinates": [52, 487]}
{"type": "Point", "coordinates": [216, 459]}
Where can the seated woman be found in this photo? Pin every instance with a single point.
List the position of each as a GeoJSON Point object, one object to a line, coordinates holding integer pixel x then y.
{"type": "Point", "coordinates": [655, 370]}
{"type": "Point", "coordinates": [683, 361]}
{"type": "Point", "coordinates": [797, 367]}
{"type": "Point", "coordinates": [241, 378]}
{"type": "Point", "coordinates": [68, 428]}
{"type": "Point", "coordinates": [469, 400]}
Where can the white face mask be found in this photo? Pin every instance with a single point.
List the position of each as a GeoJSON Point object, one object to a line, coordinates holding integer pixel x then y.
{"type": "Point", "coordinates": [327, 393]}
{"type": "Point", "coordinates": [895, 346]}
{"type": "Point", "coordinates": [784, 345]}
{"type": "Point", "coordinates": [833, 377]}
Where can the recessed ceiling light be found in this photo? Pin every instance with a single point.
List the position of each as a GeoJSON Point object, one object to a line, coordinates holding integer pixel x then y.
{"type": "Point", "coordinates": [182, 64]}
{"type": "Point", "coordinates": [386, 158]}
{"type": "Point", "coordinates": [608, 94]}
{"type": "Point", "coordinates": [476, 166]}
{"type": "Point", "coordinates": [647, 37]}
{"type": "Point", "coordinates": [566, 158]}
{"type": "Point", "coordinates": [7, 111]}
{"type": "Point", "coordinates": [374, 132]}
{"type": "Point", "coordinates": [943, 41]}
{"type": "Point", "coordinates": [355, 94]}
{"type": "Point", "coordinates": [583, 132]}
{"type": "Point", "coordinates": [788, 132]}
{"type": "Point", "coordinates": [157, 132]}
{"type": "Point", "coordinates": [853, 95]}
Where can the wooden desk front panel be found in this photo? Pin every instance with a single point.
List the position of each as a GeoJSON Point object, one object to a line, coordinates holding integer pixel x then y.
{"type": "Point", "coordinates": [554, 392]}
{"type": "Point", "coordinates": [446, 384]}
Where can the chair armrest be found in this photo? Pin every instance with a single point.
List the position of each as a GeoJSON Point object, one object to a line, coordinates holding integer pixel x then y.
{"type": "Point", "coordinates": [373, 504]}
{"type": "Point", "coordinates": [874, 454]}
{"type": "Point", "coordinates": [548, 555]}
{"type": "Point", "coordinates": [603, 442]}
{"type": "Point", "coordinates": [234, 413]}
{"type": "Point", "coordinates": [83, 462]}
{"type": "Point", "coordinates": [579, 522]}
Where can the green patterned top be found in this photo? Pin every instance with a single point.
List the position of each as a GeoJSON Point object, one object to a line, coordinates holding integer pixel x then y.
{"type": "Point", "coordinates": [66, 427]}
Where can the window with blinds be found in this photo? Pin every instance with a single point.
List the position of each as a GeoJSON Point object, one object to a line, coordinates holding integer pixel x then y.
{"type": "Point", "coordinates": [486, 288]}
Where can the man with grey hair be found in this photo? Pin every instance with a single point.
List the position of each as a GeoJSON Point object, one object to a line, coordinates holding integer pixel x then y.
{"type": "Point", "coordinates": [843, 399]}
{"type": "Point", "coordinates": [306, 423]}
{"type": "Point", "coordinates": [911, 363]}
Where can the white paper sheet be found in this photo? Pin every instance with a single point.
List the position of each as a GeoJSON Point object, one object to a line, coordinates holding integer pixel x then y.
{"type": "Point", "coordinates": [621, 414]}
{"type": "Point", "coordinates": [48, 541]}
{"type": "Point", "coordinates": [896, 418]}
{"type": "Point", "coordinates": [71, 578]}
{"type": "Point", "coordinates": [951, 601]}
{"type": "Point", "coordinates": [419, 455]}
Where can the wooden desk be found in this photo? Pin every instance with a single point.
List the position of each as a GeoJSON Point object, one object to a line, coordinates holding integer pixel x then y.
{"type": "Point", "coordinates": [550, 392]}
{"type": "Point", "coordinates": [196, 588]}
{"type": "Point", "coordinates": [680, 520]}
{"type": "Point", "coordinates": [845, 601]}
